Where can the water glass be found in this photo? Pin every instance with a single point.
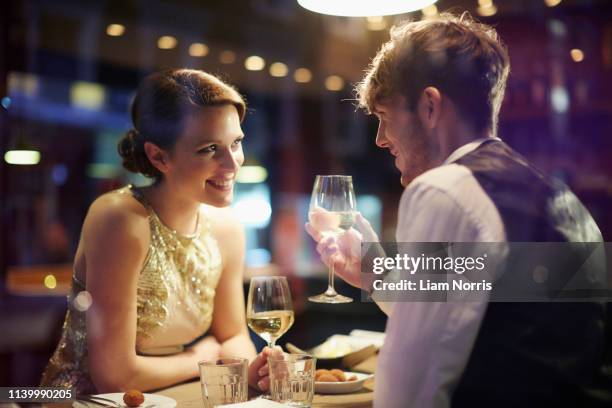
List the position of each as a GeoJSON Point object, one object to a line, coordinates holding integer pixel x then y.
{"type": "Point", "coordinates": [292, 379]}
{"type": "Point", "coordinates": [224, 381]}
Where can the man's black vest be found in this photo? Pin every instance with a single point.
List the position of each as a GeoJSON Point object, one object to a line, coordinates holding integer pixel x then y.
{"type": "Point", "coordinates": [534, 354]}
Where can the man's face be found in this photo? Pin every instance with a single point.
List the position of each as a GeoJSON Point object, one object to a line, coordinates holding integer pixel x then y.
{"type": "Point", "coordinates": [402, 132]}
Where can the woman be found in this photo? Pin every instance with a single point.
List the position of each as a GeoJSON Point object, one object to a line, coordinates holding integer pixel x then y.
{"type": "Point", "coordinates": [163, 264]}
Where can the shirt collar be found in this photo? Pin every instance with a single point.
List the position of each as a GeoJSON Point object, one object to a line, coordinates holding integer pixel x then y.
{"type": "Point", "coordinates": [467, 148]}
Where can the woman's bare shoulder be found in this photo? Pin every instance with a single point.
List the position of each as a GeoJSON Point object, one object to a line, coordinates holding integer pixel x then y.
{"type": "Point", "coordinates": [115, 211]}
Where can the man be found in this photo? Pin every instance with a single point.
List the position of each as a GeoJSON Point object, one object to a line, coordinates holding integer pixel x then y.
{"type": "Point", "coordinates": [436, 88]}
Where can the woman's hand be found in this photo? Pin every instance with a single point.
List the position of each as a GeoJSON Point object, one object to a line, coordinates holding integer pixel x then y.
{"type": "Point", "coordinates": [259, 370]}
{"type": "Point", "coordinates": [207, 348]}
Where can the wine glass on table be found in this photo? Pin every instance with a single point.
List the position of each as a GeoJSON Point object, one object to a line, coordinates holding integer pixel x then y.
{"type": "Point", "coordinates": [269, 307]}
{"type": "Point", "coordinates": [332, 211]}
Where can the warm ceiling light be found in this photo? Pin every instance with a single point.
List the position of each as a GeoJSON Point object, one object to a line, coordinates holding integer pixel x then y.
{"type": "Point", "coordinates": [430, 11]}
{"type": "Point", "coordinates": [487, 11]}
{"type": "Point", "coordinates": [577, 55]}
{"type": "Point", "coordinates": [227, 57]}
{"type": "Point", "coordinates": [302, 75]}
{"type": "Point", "coordinates": [198, 50]}
{"type": "Point", "coordinates": [166, 42]}
{"type": "Point", "coordinates": [115, 30]}
{"type": "Point", "coordinates": [376, 23]}
{"type": "Point", "coordinates": [552, 3]}
{"type": "Point", "coordinates": [22, 157]}
{"type": "Point", "coordinates": [334, 83]}
{"type": "Point", "coordinates": [364, 8]}
{"type": "Point", "coordinates": [278, 69]}
{"type": "Point", "coordinates": [254, 63]}
{"type": "Point", "coordinates": [485, 3]}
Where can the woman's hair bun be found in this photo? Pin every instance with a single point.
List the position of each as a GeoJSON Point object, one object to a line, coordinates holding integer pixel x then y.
{"type": "Point", "coordinates": [131, 149]}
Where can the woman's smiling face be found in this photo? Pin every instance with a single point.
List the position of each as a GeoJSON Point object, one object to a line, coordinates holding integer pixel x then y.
{"type": "Point", "coordinates": [206, 158]}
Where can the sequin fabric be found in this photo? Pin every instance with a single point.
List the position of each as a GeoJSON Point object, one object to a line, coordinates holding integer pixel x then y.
{"type": "Point", "coordinates": [175, 294]}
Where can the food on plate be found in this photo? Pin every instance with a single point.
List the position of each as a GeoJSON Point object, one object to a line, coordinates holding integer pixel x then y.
{"type": "Point", "coordinates": [320, 372]}
{"type": "Point", "coordinates": [133, 398]}
{"type": "Point", "coordinates": [327, 377]}
{"type": "Point", "coordinates": [335, 375]}
{"type": "Point", "coordinates": [339, 374]}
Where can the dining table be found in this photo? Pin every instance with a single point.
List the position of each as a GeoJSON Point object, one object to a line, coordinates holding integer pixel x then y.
{"type": "Point", "coordinates": [189, 395]}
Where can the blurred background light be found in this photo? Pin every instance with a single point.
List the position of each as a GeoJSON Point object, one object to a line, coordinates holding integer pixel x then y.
{"type": "Point", "coordinates": [22, 157]}
{"type": "Point", "coordinates": [577, 55]}
{"type": "Point", "coordinates": [254, 63]}
{"type": "Point", "coordinates": [24, 83]}
{"type": "Point", "coordinates": [430, 11]}
{"type": "Point", "coordinates": [364, 8]}
{"type": "Point", "coordinates": [258, 257]}
{"type": "Point", "coordinates": [302, 75]}
{"type": "Point", "coordinates": [552, 3]}
{"type": "Point", "coordinates": [376, 23]}
{"type": "Point", "coordinates": [252, 174]}
{"type": "Point", "coordinates": [198, 50]}
{"type": "Point", "coordinates": [486, 8]}
{"type": "Point", "coordinates": [5, 102]}
{"type": "Point", "coordinates": [50, 282]}
{"type": "Point", "coordinates": [559, 99]}
{"type": "Point", "coordinates": [278, 69]}
{"type": "Point", "coordinates": [334, 83]}
{"type": "Point", "coordinates": [115, 30]}
{"type": "Point", "coordinates": [59, 174]}
{"type": "Point", "coordinates": [87, 95]}
{"type": "Point", "coordinates": [227, 57]}
{"type": "Point", "coordinates": [166, 42]}
{"type": "Point", "coordinates": [253, 211]}
{"type": "Point", "coordinates": [557, 27]}
{"type": "Point", "coordinates": [102, 170]}
{"type": "Point", "coordinates": [82, 301]}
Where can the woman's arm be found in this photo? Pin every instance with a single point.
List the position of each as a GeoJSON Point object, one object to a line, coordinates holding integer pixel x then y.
{"type": "Point", "coordinates": [116, 239]}
{"type": "Point", "coordinates": [229, 321]}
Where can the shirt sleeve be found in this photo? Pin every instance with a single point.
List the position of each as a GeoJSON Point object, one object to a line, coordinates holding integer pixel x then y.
{"type": "Point", "coordinates": [428, 344]}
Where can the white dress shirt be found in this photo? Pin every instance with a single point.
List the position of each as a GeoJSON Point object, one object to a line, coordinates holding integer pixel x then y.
{"type": "Point", "coordinates": [428, 344]}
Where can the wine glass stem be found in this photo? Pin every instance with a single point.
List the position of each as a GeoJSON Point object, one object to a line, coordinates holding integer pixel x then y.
{"type": "Point", "coordinates": [272, 343]}
{"type": "Point", "coordinates": [331, 291]}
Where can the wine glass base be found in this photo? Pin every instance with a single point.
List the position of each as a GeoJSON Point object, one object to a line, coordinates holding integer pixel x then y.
{"type": "Point", "coordinates": [324, 298]}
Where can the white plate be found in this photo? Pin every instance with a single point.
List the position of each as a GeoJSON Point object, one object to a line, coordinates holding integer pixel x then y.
{"type": "Point", "coordinates": [159, 401]}
{"type": "Point", "coordinates": [343, 387]}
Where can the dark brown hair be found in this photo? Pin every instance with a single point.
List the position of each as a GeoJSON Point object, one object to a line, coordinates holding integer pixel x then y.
{"type": "Point", "coordinates": [462, 58]}
{"type": "Point", "coordinates": [163, 101]}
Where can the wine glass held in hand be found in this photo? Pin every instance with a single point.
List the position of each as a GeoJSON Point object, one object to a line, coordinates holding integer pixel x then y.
{"type": "Point", "coordinates": [269, 307]}
{"type": "Point", "coordinates": [332, 211]}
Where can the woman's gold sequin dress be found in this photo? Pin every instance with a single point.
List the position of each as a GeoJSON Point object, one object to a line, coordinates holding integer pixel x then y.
{"type": "Point", "coordinates": [175, 297]}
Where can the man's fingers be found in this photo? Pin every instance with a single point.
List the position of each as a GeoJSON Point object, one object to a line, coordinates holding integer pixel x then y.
{"type": "Point", "coordinates": [365, 228]}
{"type": "Point", "coordinates": [327, 245]}
{"type": "Point", "coordinates": [316, 235]}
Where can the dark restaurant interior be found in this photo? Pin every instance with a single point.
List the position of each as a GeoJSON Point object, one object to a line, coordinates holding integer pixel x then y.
{"type": "Point", "coordinates": [69, 70]}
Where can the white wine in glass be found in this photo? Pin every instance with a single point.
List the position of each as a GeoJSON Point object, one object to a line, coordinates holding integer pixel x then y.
{"type": "Point", "coordinates": [332, 211]}
{"type": "Point", "coordinates": [269, 307]}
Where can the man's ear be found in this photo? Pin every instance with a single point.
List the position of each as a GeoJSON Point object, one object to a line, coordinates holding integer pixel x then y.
{"type": "Point", "coordinates": [429, 107]}
{"type": "Point", "coordinates": [157, 156]}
